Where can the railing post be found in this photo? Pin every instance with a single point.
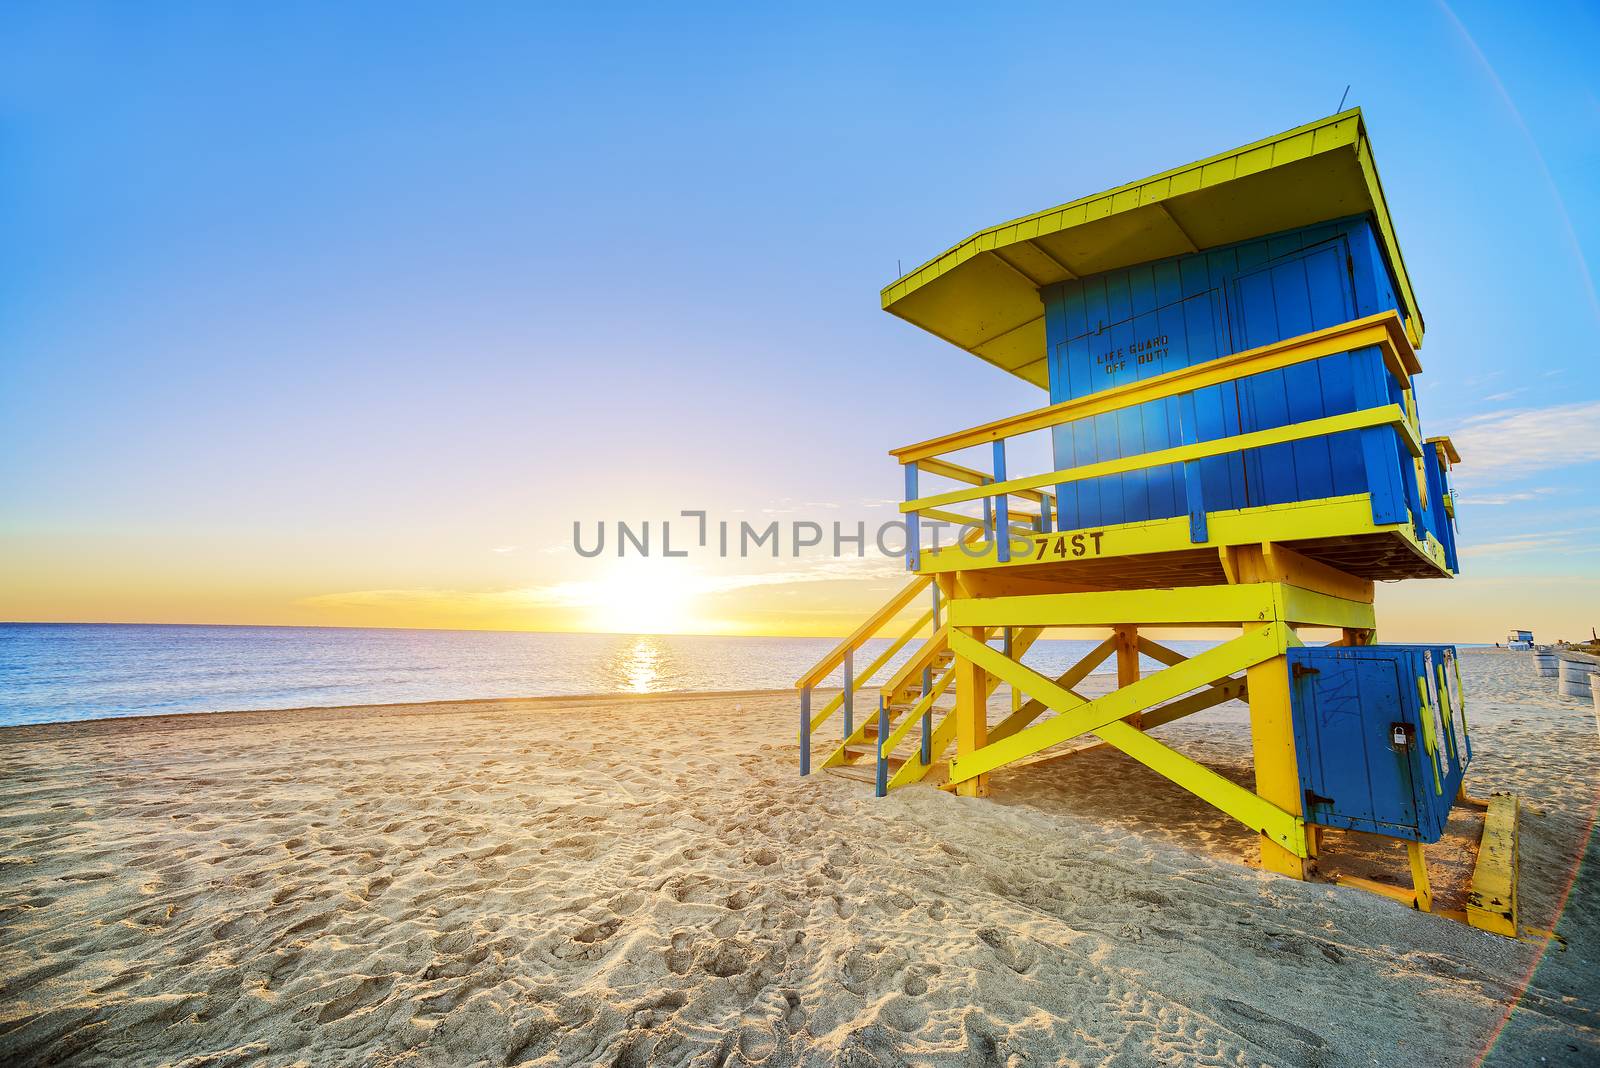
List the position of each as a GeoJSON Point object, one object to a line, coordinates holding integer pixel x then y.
{"type": "Point", "coordinates": [927, 714]}
{"type": "Point", "coordinates": [1016, 695]}
{"type": "Point", "coordinates": [1044, 513]}
{"type": "Point", "coordinates": [849, 693]}
{"type": "Point", "coordinates": [883, 735]}
{"type": "Point", "coordinates": [805, 730]}
{"type": "Point", "coordinates": [1380, 445]}
{"type": "Point", "coordinates": [913, 527]}
{"type": "Point", "coordinates": [1194, 497]}
{"type": "Point", "coordinates": [1414, 491]}
{"type": "Point", "coordinates": [1002, 512]}
{"type": "Point", "coordinates": [935, 585]}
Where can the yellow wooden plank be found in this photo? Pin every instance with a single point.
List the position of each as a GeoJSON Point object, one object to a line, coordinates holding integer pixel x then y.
{"type": "Point", "coordinates": [971, 476]}
{"type": "Point", "coordinates": [1313, 609]}
{"type": "Point", "coordinates": [1461, 693]}
{"type": "Point", "coordinates": [1492, 900]}
{"type": "Point", "coordinates": [1033, 708]}
{"type": "Point", "coordinates": [915, 713]}
{"type": "Point", "coordinates": [1286, 565]}
{"type": "Point", "coordinates": [1213, 695]}
{"type": "Point", "coordinates": [1191, 605]}
{"type": "Point", "coordinates": [1328, 134]}
{"type": "Point", "coordinates": [1273, 754]}
{"type": "Point", "coordinates": [1419, 876]}
{"type": "Point", "coordinates": [1294, 521]}
{"type": "Point", "coordinates": [1383, 330]}
{"type": "Point", "coordinates": [914, 770]}
{"type": "Point", "coordinates": [944, 731]}
{"type": "Point", "coordinates": [1074, 719]}
{"type": "Point", "coordinates": [1406, 897]}
{"type": "Point", "coordinates": [1446, 448]}
{"type": "Point", "coordinates": [1022, 642]}
{"type": "Point", "coordinates": [912, 668]}
{"type": "Point", "coordinates": [972, 721]}
{"type": "Point", "coordinates": [1383, 415]}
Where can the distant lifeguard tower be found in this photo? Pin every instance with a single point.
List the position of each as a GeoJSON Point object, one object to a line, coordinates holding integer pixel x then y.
{"type": "Point", "coordinates": [1228, 350]}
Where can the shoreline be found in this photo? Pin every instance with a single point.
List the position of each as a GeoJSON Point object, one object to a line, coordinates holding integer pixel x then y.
{"type": "Point", "coordinates": [416, 706]}
{"type": "Point", "coordinates": [368, 710]}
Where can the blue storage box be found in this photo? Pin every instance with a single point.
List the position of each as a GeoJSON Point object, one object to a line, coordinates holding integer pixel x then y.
{"type": "Point", "coordinates": [1380, 735]}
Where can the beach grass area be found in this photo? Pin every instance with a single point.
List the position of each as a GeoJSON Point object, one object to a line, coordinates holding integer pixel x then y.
{"type": "Point", "coordinates": [632, 880]}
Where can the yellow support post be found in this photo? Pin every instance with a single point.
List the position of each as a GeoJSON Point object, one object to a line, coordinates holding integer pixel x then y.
{"type": "Point", "coordinates": [1272, 742]}
{"type": "Point", "coordinates": [1128, 665]}
{"type": "Point", "coordinates": [1419, 877]}
{"type": "Point", "coordinates": [972, 713]}
{"type": "Point", "coordinates": [1271, 717]}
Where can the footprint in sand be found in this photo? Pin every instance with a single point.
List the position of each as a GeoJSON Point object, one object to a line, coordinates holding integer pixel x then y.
{"type": "Point", "coordinates": [679, 956]}
{"type": "Point", "coordinates": [598, 932]}
{"type": "Point", "coordinates": [727, 959]}
{"type": "Point", "coordinates": [1269, 1031]}
{"type": "Point", "coordinates": [1014, 955]}
{"type": "Point", "coordinates": [371, 989]}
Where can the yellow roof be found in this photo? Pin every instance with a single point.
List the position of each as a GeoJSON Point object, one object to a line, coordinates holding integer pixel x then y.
{"type": "Point", "coordinates": [982, 295]}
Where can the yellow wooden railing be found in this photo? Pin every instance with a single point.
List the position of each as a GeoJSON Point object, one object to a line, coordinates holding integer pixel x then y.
{"type": "Point", "coordinates": [842, 656]}
{"type": "Point", "coordinates": [1384, 332]}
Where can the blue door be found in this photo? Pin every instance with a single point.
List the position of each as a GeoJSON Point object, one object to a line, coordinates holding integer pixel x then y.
{"type": "Point", "coordinates": [1346, 703]}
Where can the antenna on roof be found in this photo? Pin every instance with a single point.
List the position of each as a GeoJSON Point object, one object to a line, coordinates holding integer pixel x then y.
{"type": "Point", "coordinates": [1342, 99]}
{"type": "Point", "coordinates": [898, 273]}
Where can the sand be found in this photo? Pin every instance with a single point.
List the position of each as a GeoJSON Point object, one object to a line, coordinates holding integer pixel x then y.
{"type": "Point", "coordinates": [630, 881]}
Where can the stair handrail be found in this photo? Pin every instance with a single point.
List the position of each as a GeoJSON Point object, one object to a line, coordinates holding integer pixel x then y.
{"type": "Point", "coordinates": [868, 628]}
{"type": "Point", "coordinates": [937, 643]}
{"type": "Point", "coordinates": [859, 683]}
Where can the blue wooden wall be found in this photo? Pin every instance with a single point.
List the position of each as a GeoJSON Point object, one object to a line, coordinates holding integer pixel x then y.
{"type": "Point", "coordinates": [1138, 322]}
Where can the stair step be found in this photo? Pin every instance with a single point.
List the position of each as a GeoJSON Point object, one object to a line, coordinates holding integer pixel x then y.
{"type": "Point", "coordinates": [858, 752]}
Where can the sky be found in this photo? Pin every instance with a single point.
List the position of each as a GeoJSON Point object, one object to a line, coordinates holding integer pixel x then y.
{"type": "Point", "coordinates": [344, 315]}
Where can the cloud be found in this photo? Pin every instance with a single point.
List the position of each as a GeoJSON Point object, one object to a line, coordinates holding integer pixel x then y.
{"type": "Point", "coordinates": [1526, 439]}
{"type": "Point", "coordinates": [1553, 541]}
{"type": "Point", "coordinates": [504, 549]}
{"type": "Point", "coordinates": [1490, 499]}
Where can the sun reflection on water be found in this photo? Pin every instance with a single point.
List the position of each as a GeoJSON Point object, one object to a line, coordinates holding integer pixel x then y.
{"type": "Point", "coordinates": [641, 664]}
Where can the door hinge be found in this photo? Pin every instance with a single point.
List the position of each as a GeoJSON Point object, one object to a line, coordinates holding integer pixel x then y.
{"type": "Point", "coordinates": [1313, 799]}
{"type": "Point", "coordinates": [1300, 671]}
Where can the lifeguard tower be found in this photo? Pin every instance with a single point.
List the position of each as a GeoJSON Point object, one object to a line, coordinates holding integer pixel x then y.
{"type": "Point", "coordinates": [1228, 350]}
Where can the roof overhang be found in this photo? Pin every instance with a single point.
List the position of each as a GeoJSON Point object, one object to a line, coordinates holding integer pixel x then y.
{"type": "Point", "coordinates": [983, 294]}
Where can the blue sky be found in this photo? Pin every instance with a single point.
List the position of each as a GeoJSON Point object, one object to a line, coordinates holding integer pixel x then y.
{"type": "Point", "coordinates": [311, 314]}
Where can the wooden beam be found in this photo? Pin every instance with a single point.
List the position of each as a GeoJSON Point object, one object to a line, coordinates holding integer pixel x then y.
{"type": "Point", "coordinates": [1492, 900]}
{"type": "Point", "coordinates": [1284, 829]}
{"type": "Point", "coordinates": [1075, 718]}
{"type": "Point", "coordinates": [972, 709]}
{"type": "Point", "coordinates": [1033, 708]}
{"type": "Point", "coordinates": [1127, 638]}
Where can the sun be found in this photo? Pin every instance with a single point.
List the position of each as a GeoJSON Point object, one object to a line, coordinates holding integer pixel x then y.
{"type": "Point", "coordinates": [643, 597]}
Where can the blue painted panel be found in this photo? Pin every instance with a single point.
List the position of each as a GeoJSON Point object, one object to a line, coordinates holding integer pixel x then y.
{"type": "Point", "coordinates": [1438, 523]}
{"type": "Point", "coordinates": [1346, 703]}
{"type": "Point", "coordinates": [1142, 321]}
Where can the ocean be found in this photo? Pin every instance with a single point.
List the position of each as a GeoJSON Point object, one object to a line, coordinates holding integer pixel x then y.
{"type": "Point", "coordinates": [54, 672]}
